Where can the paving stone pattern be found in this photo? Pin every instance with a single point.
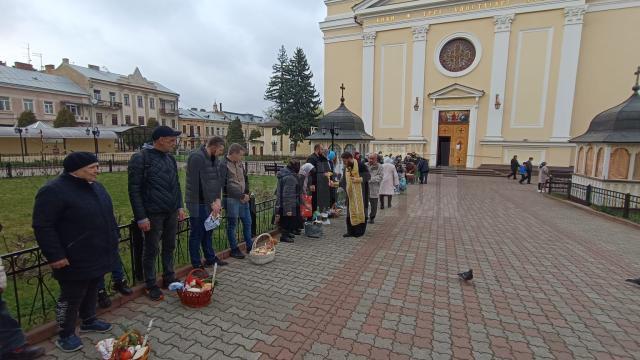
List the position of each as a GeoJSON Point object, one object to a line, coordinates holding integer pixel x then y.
{"type": "Point", "coordinates": [549, 285]}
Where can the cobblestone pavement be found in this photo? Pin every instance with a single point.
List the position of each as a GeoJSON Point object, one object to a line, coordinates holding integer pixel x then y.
{"type": "Point", "coordinates": [549, 284]}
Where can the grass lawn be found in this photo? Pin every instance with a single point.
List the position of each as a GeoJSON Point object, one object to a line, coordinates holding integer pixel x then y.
{"type": "Point", "coordinates": [19, 195]}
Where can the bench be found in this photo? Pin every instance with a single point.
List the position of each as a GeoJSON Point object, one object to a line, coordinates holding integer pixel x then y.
{"type": "Point", "coordinates": [274, 168]}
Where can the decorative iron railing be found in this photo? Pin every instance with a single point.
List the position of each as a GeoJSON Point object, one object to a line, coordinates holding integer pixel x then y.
{"type": "Point", "coordinates": [614, 202]}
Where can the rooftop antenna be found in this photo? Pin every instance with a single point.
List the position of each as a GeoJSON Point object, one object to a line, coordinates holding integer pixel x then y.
{"type": "Point", "coordinates": [28, 53]}
{"type": "Point", "coordinates": [39, 55]}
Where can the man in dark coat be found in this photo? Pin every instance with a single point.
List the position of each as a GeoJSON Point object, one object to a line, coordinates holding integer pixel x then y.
{"type": "Point", "coordinates": [77, 232]}
{"type": "Point", "coordinates": [203, 197]}
{"type": "Point", "coordinates": [319, 187]}
{"type": "Point", "coordinates": [528, 171]}
{"type": "Point", "coordinates": [355, 182]}
{"type": "Point", "coordinates": [514, 167]}
{"type": "Point", "coordinates": [288, 200]}
{"type": "Point", "coordinates": [423, 168]}
{"type": "Point", "coordinates": [156, 200]}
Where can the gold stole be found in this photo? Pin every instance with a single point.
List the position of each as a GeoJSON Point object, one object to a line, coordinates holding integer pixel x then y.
{"type": "Point", "coordinates": [354, 192]}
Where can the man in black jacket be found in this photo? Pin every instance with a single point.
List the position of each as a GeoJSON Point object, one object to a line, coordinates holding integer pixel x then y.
{"type": "Point", "coordinates": [76, 230]}
{"type": "Point", "coordinates": [514, 167]}
{"type": "Point", "coordinates": [203, 197]}
{"type": "Point", "coordinates": [156, 200]}
{"type": "Point", "coordinates": [320, 192]}
{"type": "Point", "coordinates": [529, 166]}
{"type": "Point", "coordinates": [236, 198]}
{"type": "Point", "coordinates": [423, 168]}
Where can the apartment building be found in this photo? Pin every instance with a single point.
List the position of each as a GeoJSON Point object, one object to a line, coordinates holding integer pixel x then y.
{"type": "Point", "coordinates": [22, 88]}
{"type": "Point", "coordinates": [121, 100]}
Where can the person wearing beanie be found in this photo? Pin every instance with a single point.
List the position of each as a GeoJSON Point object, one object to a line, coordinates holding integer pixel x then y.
{"type": "Point", "coordinates": [76, 230]}
{"type": "Point", "coordinates": [156, 200]}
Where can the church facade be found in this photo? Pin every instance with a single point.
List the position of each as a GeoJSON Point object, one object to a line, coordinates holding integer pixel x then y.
{"type": "Point", "coordinates": [466, 83]}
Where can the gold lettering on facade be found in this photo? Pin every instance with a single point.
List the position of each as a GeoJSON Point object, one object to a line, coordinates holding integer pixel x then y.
{"type": "Point", "coordinates": [457, 9]}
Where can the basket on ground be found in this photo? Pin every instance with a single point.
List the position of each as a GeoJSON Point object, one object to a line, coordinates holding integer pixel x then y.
{"type": "Point", "coordinates": [197, 289]}
{"type": "Point", "coordinates": [264, 249]}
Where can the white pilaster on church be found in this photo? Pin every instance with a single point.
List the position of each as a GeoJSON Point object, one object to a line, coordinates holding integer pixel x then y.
{"type": "Point", "coordinates": [498, 75]}
{"type": "Point", "coordinates": [368, 60]}
{"type": "Point", "coordinates": [473, 128]}
{"type": "Point", "coordinates": [573, 19]}
{"type": "Point", "coordinates": [417, 83]}
{"type": "Point", "coordinates": [433, 148]}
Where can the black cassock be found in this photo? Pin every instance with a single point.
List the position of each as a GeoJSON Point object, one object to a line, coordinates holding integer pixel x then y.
{"type": "Point", "coordinates": [321, 198]}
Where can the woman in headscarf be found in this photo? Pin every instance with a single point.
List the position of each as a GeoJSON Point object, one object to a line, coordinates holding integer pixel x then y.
{"type": "Point", "coordinates": [288, 200]}
{"type": "Point", "coordinates": [355, 181]}
{"type": "Point", "coordinates": [389, 182]}
{"type": "Point", "coordinates": [543, 176]}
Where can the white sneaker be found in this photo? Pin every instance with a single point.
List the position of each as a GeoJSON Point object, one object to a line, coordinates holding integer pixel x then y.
{"type": "Point", "coordinates": [539, 191]}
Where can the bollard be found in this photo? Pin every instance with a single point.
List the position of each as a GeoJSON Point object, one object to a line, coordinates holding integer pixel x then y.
{"type": "Point", "coordinates": [627, 205]}
{"type": "Point", "coordinates": [588, 195]}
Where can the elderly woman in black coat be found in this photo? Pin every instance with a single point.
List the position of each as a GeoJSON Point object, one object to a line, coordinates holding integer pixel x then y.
{"type": "Point", "coordinates": [288, 200]}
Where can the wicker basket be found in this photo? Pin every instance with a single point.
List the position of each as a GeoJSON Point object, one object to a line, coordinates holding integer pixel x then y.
{"type": "Point", "coordinates": [261, 259]}
{"type": "Point", "coordinates": [124, 340]}
{"type": "Point", "coordinates": [196, 299]}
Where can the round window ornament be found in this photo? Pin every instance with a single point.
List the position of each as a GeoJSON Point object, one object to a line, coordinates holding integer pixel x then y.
{"type": "Point", "coordinates": [458, 54]}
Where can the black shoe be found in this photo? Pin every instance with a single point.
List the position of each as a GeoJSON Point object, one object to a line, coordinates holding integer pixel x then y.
{"type": "Point", "coordinates": [103, 299]}
{"type": "Point", "coordinates": [634, 281]}
{"type": "Point", "coordinates": [25, 352]}
{"type": "Point", "coordinates": [215, 261]}
{"type": "Point", "coordinates": [347, 235]}
{"type": "Point", "coordinates": [381, 207]}
{"type": "Point", "coordinates": [286, 239]}
{"type": "Point", "coordinates": [166, 282]}
{"type": "Point", "coordinates": [371, 221]}
{"type": "Point", "coordinates": [154, 293]}
{"type": "Point", "coordinates": [122, 288]}
{"type": "Point", "coordinates": [238, 254]}
{"type": "Point", "coordinates": [296, 232]}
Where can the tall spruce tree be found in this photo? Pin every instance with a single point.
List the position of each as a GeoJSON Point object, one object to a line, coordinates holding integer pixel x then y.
{"type": "Point", "coordinates": [235, 134]}
{"type": "Point", "coordinates": [277, 87]}
{"type": "Point", "coordinates": [301, 111]}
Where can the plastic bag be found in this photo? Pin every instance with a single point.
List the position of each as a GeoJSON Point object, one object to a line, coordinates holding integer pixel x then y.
{"type": "Point", "coordinates": [305, 208]}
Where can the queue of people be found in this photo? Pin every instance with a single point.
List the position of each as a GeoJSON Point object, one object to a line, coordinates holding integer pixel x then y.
{"type": "Point", "coordinates": [75, 226]}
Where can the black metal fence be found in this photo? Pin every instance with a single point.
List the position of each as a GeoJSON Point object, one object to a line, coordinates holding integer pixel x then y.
{"type": "Point", "coordinates": [609, 201]}
{"type": "Point", "coordinates": [31, 291]}
{"type": "Point", "coordinates": [48, 164]}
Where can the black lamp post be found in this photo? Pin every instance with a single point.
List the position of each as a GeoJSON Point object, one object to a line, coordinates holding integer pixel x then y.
{"type": "Point", "coordinates": [19, 131]}
{"type": "Point", "coordinates": [274, 143]}
{"type": "Point", "coordinates": [334, 130]}
{"type": "Point", "coordinates": [96, 134]}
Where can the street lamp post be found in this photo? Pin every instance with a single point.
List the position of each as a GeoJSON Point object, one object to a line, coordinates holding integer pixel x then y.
{"type": "Point", "coordinates": [334, 130]}
{"type": "Point", "coordinates": [19, 131]}
{"type": "Point", "coordinates": [96, 134]}
{"type": "Point", "coordinates": [274, 143]}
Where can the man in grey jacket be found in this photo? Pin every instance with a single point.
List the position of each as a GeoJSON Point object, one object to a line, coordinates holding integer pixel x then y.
{"type": "Point", "coordinates": [203, 197]}
{"type": "Point", "coordinates": [156, 200]}
{"type": "Point", "coordinates": [236, 198]}
{"type": "Point", "coordinates": [374, 185]}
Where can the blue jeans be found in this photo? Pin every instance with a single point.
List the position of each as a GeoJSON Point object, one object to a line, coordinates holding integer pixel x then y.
{"type": "Point", "coordinates": [235, 209]}
{"type": "Point", "coordinates": [11, 336]}
{"type": "Point", "coordinates": [198, 236]}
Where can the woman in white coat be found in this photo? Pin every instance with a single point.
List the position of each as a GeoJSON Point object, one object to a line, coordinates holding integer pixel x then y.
{"type": "Point", "coordinates": [389, 182]}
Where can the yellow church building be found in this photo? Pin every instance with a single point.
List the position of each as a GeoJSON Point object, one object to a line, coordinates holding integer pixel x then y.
{"type": "Point", "coordinates": [467, 83]}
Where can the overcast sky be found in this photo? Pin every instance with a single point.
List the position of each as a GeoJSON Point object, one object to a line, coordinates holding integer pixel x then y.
{"type": "Point", "coordinates": [205, 50]}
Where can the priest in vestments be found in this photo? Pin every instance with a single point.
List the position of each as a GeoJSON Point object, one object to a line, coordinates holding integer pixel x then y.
{"type": "Point", "coordinates": [355, 182]}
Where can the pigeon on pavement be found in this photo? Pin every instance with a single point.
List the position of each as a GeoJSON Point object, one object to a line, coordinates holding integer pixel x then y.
{"type": "Point", "coordinates": [466, 276]}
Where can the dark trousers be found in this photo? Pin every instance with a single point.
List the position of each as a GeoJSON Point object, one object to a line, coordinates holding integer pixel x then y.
{"type": "Point", "coordinates": [528, 177]}
{"type": "Point", "coordinates": [199, 237]}
{"type": "Point", "coordinates": [11, 336]}
{"type": "Point", "coordinates": [514, 173]}
{"type": "Point", "coordinates": [373, 208]}
{"type": "Point", "coordinates": [388, 200]}
{"type": "Point", "coordinates": [423, 177]}
{"type": "Point", "coordinates": [163, 231]}
{"type": "Point", "coordinates": [525, 176]}
{"type": "Point", "coordinates": [288, 224]}
{"type": "Point", "coordinates": [117, 274]}
{"type": "Point", "coordinates": [76, 297]}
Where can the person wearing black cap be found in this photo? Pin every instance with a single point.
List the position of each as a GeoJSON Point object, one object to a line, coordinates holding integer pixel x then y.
{"type": "Point", "coordinates": [156, 200]}
{"type": "Point", "coordinates": [76, 230]}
